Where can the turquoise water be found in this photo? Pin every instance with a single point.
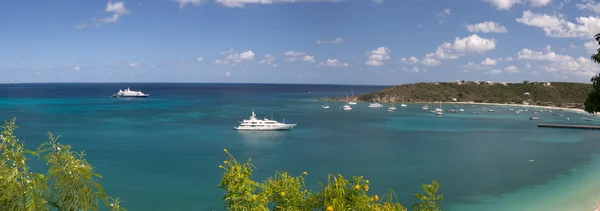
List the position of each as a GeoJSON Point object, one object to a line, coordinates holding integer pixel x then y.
{"type": "Point", "coordinates": [163, 152]}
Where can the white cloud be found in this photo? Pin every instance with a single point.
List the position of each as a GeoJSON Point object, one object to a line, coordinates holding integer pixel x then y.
{"type": "Point", "coordinates": [199, 59]}
{"type": "Point", "coordinates": [242, 3]}
{"type": "Point", "coordinates": [268, 59]}
{"type": "Point", "coordinates": [512, 69]}
{"type": "Point", "coordinates": [486, 27]}
{"type": "Point", "coordinates": [227, 74]}
{"type": "Point", "coordinates": [292, 56]}
{"type": "Point", "coordinates": [494, 72]}
{"type": "Point", "coordinates": [336, 40]}
{"type": "Point", "coordinates": [416, 69]}
{"type": "Point", "coordinates": [117, 9]}
{"type": "Point", "coordinates": [233, 58]}
{"type": "Point", "coordinates": [508, 59]}
{"type": "Point", "coordinates": [591, 46]}
{"type": "Point", "coordinates": [443, 15]}
{"type": "Point", "coordinates": [460, 47]}
{"type": "Point", "coordinates": [409, 60]}
{"type": "Point", "coordinates": [133, 64]}
{"type": "Point", "coordinates": [557, 26]}
{"type": "Point", "coordinates": [489, 62]}
{"type": "Point", "coordinates": [377, 56]}
{"type": "Point", "coordinates": [333, 63]}
{"type": "Point", "coordinates": [507, 4]}
{"type": "Point", "coordinates": [572, 45]}
{"type": "Point", "coordinates": [528, 65]}
{"type": "Point", "coordinates": [562, 64]}
{"type": "Point", "coordinates": [183, 3]}
{"type": "Point", "coordinates": [77, 68]}
{"type": "Point", "coordinates": [589, 5]}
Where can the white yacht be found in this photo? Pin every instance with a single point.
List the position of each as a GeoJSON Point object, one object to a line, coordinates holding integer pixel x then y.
{"type": "Point", "coordinates": [352, 102]}
{"type": "Point", "coordinates": [325, 106]}
{"type": "Point", "coordinates": [403, 105]}
{"type": "Point", "coordinates": [440, 108]}
{"type": "Point", "coordinates": [262, 124]}
{"type": "Point", "coordinates": [130, 93]}
{"type": "Point", "coordinates": [461, 108]}
{"type": "Point", "coordinates": [393, 107]}
{"type": "Point", "coordinates": [347, 107]}
{"type": "Point", "coordinates": [375, 105]}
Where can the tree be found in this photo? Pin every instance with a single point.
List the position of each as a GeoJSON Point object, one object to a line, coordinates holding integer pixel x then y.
{"type": "Point", "coordinates": [592, 103]}
{"type": "Point", "coordinates": [70, 183]}
{"type": "Point", "coordinates": [285, 192]}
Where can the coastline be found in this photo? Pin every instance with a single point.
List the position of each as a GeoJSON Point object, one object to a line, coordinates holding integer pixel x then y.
{"type": "Point", "coordinates": [576, 110]}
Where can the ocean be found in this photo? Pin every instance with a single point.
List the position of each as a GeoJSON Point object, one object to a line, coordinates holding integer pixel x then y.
{"type": "Point", "coordinates": [163, 152]}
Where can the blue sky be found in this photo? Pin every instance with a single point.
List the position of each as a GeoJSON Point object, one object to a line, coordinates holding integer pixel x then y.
{"type": "Point", "coordinates": [297, 41]}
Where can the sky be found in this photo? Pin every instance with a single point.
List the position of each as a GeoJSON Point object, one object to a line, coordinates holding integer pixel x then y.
{"type": "Point", "coordinates": [377, 42]}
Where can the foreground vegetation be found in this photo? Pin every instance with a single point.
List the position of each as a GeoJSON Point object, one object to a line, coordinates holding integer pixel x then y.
{"type": "Point", "coordinates": [286, 192]}
{"type": "Point", "coordinates": [69, 184]}
{"type": "Point", "coordinates": [558, 93]}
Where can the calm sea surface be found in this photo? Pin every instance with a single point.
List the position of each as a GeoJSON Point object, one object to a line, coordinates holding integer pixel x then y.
{"type": "Point", "coordinates": [163, 152]}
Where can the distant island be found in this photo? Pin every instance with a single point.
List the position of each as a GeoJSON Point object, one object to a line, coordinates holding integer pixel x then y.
{"type": "Point", "coordinates": [560, 94]}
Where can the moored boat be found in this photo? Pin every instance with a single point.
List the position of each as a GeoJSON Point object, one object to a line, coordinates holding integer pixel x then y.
{"type": "Point", "coordinates": [265, 124]}
{"type": "Point", "coordinates": [129, 93]}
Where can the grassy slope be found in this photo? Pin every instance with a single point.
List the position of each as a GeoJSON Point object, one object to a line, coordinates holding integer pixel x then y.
{"type": "Point", "coordinates": [557, 93]}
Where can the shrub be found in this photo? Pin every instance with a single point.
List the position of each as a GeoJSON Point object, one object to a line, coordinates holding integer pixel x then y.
{"type": "Point", "coordinates": [285, 192]}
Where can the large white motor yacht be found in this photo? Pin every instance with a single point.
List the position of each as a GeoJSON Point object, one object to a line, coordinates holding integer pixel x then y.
{"type": "Point", "coordinates": [130, 93]}
{"type": "Point", "coordinates": [262, 124]}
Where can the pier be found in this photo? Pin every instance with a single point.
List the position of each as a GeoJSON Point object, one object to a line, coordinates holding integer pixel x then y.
{"type": "Point", "coordinates": [586, 127]}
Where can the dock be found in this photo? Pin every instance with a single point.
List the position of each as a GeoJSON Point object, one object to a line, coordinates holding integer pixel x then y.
{"type": "Point", "coordinates": [585, 127]}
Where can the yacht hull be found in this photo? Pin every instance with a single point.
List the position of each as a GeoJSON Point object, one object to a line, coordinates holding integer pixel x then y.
{"type": "Point", "coordinates": [278, 128]}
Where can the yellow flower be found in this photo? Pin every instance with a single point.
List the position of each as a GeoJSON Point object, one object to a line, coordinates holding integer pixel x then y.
{"type": "Point", "coordinates": [357, 187]}
{"type": "Point", "coordinates": [367, 181]}
{"type": "Point", "coordinates": [366, 187]}
{"type": "Point", "coordinates": [305, 173]}
{"type": "Point", "coordinates": [329, 208]}
{"type": "Point", "coordinates": [254, 197]}
{"type": "Point", "coordinates": [220, 166]}
{"type": "Point", "coordinates": [225, 162]}
{"type": "Point", "coordinates": [376, 198]}
{"type": "Point", "coordinates": [224, 150]}
{"type": "Point", "coordinates": [282, 194]}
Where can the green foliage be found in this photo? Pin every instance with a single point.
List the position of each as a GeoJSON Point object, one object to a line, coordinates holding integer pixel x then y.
{"type": "Point", "coordinates": [596, 57]}
{"type": "Point", "coordinates": [592, 103]}
{"type": "Point", "coordinates": [557, 93]}
{"type": "Point", "coordinates": [285, 192]}
{"type": "Point", "coordinates": [70, 183]}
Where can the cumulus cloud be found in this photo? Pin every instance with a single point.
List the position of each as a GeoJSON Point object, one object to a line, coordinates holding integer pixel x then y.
{"type": "Point", "coordinates": [77, 68]}
{"type": "Point", "coordinates": [333, 63]}
{"type": "Point", "coordinates": [512, 69]}
{"type": "Point", "coordinates": [557, 26]}
{"type": "Point", "coordinates": [336, 40]}
{"type": "Point", "coordinates": [589, 5]}
{"type": "Point", "coordinates": [377, 56]}
{"type": "Point", "coordinates": [233, 58]}
{"type": "Point", "coordinates": [199, 59]}
{"type": "Point", "coordinates": [507, 4]}
{"type": "Point", "coordinates": [416, 69]}
{"type": "Point", "coordinates": [460, 47]}
{"type": "Point", "coordinates": [561, 64]}
{"type": "Point", "coordinates": [489, 62]}
{"type": "Point", "coordinates": [486, 27]}
{"type": "Point", "coordinates": [268, 59]}
{"type": "Point", "coordinates": [242, 3]}
{"type": "Point", "coordinates": [117, 9]}
{"type": "Point", "coordinates": [292, 56]}
{"type": "Point", "coordinates": [183, 3]}
{"type": "Point", "coordinates": [409, 60]}
{"type": "Point", "coordinates": [494, 72]}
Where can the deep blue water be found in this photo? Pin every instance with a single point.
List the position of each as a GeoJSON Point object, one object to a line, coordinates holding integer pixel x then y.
{"type": "Point", "coordinates": [163, 152]}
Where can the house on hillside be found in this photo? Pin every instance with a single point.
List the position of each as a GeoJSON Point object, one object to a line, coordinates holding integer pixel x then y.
{"type": "Point", "coordinates": [526, 93]}
{"type": "Point", "coordinates": [546, 83]}
{"type": "Point", "coordinates": [458, 82]}
{"type": "Point", "coordinates": [504, 83]}
{"type": "Point", "coordinates": [490, 82]}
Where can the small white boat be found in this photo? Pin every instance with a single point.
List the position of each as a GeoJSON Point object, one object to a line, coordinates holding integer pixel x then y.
{"type": "Point", "coordinates": [375, 105]}
{"type": "Point", "coordinates": [393, 107]}
{"type": "Point", "coordinates": [352, 102]}
{"type": "Point", "coordinates": [347, 107]}
{"type": "Point", "coordinates": [439, 113]}
{"type": "Point", "coordinates": [534, 118]}
{"type": "Point", "coordinates": [325, 106]}
{"type": "Point", "coordinates": [130, 93]}
{"type": "Point", "coordinates": [390, 110]}
{"type": "Point", "coordinates": [265, 124]}
{"type": "Point", "coordinates": [425, 107]}
{"type": "Point", "coordinates": [403, 105]}
{"type": "Point", "coordinates": [461, 108]}
{"type": "Point", "coordinates": [491, 110]}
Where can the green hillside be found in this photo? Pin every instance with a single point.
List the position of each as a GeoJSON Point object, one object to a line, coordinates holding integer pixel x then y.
{"type": "Point", "coordinates": [557, 93]}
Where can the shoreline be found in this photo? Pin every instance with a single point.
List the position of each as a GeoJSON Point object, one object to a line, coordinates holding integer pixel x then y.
{"type": "Point", "coordinates": [576, 110]}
